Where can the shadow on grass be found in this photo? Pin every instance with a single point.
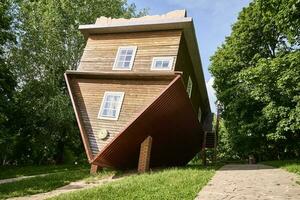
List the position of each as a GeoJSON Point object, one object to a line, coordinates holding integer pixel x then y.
{"type": "Point", "coordinates": [125, 173]}
{"type": "Point", "coordinates": [19, 171]}
{"type": "Point", "coordinates": [281, 163]}
{"type": "Point", "coordinates": [159, 183]}
{"type": "Point", "coordinates": [289, 165]}
{"type": "Point", "coordinates": [230, 167]}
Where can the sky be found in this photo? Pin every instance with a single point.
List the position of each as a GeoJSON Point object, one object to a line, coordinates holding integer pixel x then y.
{"type": "Point", "coordinates": [212, 21]}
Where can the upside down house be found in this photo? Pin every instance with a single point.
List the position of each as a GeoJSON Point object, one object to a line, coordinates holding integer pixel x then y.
{"type": "Point", "coordinates": [139, 93]}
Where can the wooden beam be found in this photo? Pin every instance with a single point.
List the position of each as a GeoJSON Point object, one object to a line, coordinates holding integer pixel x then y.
{"type": "Point", "coordinates": [203, 149]}
{"type": "Point", "coordinates": [123, 75]}
{"type": "Point", "coordinates": [145, 152]}
{"type": "Point", "coordinates": [95, 168]}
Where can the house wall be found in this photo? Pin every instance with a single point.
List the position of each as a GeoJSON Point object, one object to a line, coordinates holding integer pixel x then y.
{"type": "Point", "coordinates": [101, 50]}
{"type": "Point", "coordinates": [184, 64]}
{"type": "Point", "coordinates": [88, 95]}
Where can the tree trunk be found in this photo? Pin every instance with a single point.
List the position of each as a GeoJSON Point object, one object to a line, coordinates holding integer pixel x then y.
{"type": "Point", "coordinates": [59, 158]}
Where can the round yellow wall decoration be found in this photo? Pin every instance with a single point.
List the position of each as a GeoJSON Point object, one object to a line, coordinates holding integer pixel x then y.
{"type": "Point", "coordinates": [102, 134]}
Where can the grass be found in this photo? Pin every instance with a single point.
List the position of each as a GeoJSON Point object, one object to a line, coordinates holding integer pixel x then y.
{"type": "Point", "coordinates": [41, 184]}
{"type": "Point", "coordinates": [18, 171]}
{"type": "Point", "coordinates": [173, 183]}
{"type": "Point", "coordinates": [289, 165]}
{"type": "Point", "coordinates": [100, 175]}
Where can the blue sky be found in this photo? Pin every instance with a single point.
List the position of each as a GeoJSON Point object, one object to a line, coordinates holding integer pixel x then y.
{"type": "Point", "coordinates": [212, 20]}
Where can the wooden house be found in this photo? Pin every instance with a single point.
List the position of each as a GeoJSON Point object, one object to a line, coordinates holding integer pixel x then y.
{"type": "Point", "coordinates": [139, 92]}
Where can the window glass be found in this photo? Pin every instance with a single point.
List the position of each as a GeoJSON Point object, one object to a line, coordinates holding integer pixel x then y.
{"type": "Point", "coordinates": [162, 63]}
{"type": "Point", "coordinates": [111, 105]}
{"type": "Point", "coordinates": [125, 57]}
{"type": "Point", "coordinates": [189, 87]}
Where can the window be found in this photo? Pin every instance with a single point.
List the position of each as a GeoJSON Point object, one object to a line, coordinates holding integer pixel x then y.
{"type": "Point", "coordinates": [111, 105]}
{"type": "Point", "coordinates": [189, 87]}
{"type": "Point", "coordinates": [199, 114]}
{"type": "Point", "coordinates": [162, 63]}
{"type": "Point", "coordinates": [125, 57]}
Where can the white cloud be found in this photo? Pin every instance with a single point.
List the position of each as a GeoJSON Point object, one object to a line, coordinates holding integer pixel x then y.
{"type": "Point", "coordinates": [219, 13]}
{"type": "Point", "coordinates": [211, 94]}
{"type": "Point", "coordinates": [215, 7]}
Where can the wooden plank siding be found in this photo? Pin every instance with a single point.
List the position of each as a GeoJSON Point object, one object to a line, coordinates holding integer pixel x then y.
{"type": "Point", "coordinates": [170, 121]}
{"type": "Point", "coordinates": [79, 120]}
{"type": "Point", "coordinates": [184, 64]}
{"type": "Point", "coordinates": [101, 50]}
{"type": "Point", "coordinates": [88, 94]}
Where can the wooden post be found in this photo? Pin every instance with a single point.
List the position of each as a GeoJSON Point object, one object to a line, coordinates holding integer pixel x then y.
{"type": "Point", "coordinates": [94, 169]}
{"type": "Point", "coordinates": [203, 152]}
{"type": "Point", "coordinates": [145, 152]}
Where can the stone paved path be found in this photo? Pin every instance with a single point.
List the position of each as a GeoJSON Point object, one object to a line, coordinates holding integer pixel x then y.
{"type": "Point", "coordinates": [251, 182]}
{"type": "Point", "coordinates": [9, 180]}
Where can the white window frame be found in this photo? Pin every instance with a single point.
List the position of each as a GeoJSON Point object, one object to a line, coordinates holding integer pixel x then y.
{"type": "Point", "coordinates": [133, 48]}
{"type": "Point", "coordinates": [166, 58]}
{"type": "Point", "coordinates": [121, 94]}
{"type": "Point", "coordinates": [189, 87]}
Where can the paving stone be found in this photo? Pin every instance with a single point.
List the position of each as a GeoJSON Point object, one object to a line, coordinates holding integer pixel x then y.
{"type": "Point", "coordinates": [251, 182]}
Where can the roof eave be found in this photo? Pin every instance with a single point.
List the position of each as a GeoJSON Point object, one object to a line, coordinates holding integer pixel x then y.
{"type": "Point", "coordinates": [122, 75]}
{"type": "Point", "coordinates": [153, 25]}
{"type": "Point", "coordinates": [191, 40]}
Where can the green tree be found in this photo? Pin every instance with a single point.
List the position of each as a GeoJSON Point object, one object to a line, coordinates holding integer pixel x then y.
{"type": "Point", "coordinates": [49, 43]}
{"type": "Point", "coordinates": [7, 81]}
{"type": "Point", "coordinates": [257, 79]}
{"type": "Point", "coordinates": [225, 149]}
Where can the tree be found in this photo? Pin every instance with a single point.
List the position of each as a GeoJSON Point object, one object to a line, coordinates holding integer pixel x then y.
{"type": "Point", "coordinates": [7, 81]}
{"type": "Point", "coordinates": [257, 76]}
{"type": "Point", "coordinates": [49, 43]}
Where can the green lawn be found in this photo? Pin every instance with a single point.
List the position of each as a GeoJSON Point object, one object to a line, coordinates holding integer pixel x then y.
{"type": "Point", "coordinates": [174, 183]}
{"type": "Point", "coordinates": [41, 184]}
{"type": "Point", "coordinates": [289, 165]}
{"type": "Point", "coordinates": [17, 171]}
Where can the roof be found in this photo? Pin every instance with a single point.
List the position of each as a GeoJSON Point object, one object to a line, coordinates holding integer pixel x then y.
{"type": "Point", "coordinates": [73, 75]}
{"type": "Point", "coordinates": [173, 20]}
{"type": "Point", "coordinates": [176, 137]}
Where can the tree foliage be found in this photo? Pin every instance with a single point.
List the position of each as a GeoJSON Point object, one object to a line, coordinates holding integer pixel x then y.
{"type": "Point", "coordinates": [49, 43]}
{"type": "Point", "coordinates": [7, 80]}
{"type": "Point", "coordinates": [257, 79]}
